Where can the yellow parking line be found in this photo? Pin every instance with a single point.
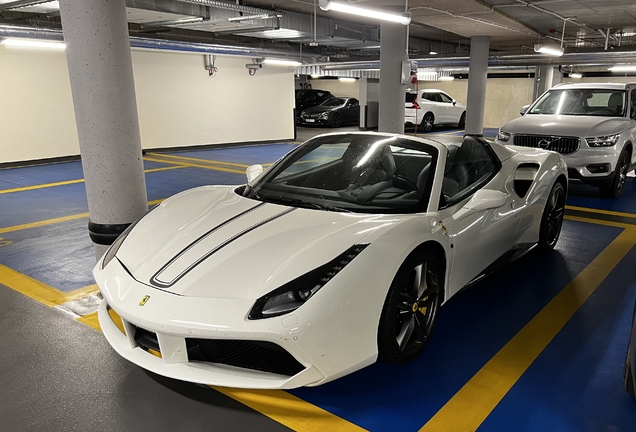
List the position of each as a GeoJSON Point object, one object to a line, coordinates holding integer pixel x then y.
{"type": "Point", "coordinates": [90, 320]}
{"type": "Point", "coordinates": [56, 220]}
{"type": "Point", "coordinates": [39, 291]}
{"type": "Point", "coordinates": [599, 221]}
{"type": "Point", "coordinates": [599, 211]}
{"type": "Point", "coordinates": [68, 182]}
{"type": "Point", "coordinates": [472, 404]}
{"type": "Point", "coordinates": [290, 411]}
{"type": "Point", "coordinates": [184, 158]}
{"type": "Point", "coordinates": [188, 164]}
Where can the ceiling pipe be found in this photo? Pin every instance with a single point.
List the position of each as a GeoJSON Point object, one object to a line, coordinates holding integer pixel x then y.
{"type": "Point", "coordinates": [20, 4]}
{"type": "Point", "coordinates": [164, 44]}
{"type": "Point", "coordinates": [600, 58]}
{"type": "Point", "coordinates": [218, 4]}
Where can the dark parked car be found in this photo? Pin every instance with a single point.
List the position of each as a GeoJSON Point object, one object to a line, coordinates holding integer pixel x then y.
{"type": "Point", "coordinates": [630, 362]}
{"type": "Point", "coordinates": [309, 98]}
{"type": "Point", "coordinates": [333, 112]}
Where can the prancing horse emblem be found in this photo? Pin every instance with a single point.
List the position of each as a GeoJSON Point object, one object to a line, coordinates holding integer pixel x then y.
{"type": "Point", "coordinates": [144, 300]}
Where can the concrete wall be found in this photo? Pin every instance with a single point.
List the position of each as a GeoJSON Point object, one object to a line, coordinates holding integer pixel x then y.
{"type": "Point", "coordinates": [178, 104]}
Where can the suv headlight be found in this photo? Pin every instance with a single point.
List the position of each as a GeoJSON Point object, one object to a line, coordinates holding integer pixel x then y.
{"type": "Point", "coordinates": [602, 141]}
{"type": "Point", "coordinates": [503, 136]}
{"type": "Point", "coordinates": [295, 293]}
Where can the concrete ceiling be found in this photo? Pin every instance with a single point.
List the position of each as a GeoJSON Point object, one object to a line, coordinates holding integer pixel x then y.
{"type": "Point", "coordinates": [443, 26]}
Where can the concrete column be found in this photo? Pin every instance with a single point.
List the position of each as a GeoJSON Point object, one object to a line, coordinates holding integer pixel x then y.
{"type": "Point", "coordinates": [392, 91]}
{"type": "Point", "coordinates": [557, 77]}
{"type": "Point", "coordinates": [542, 80]}
{"type": "Point", "coordinates": [477, 77]}
{"type": "Point", "coordinates": [103, 90]}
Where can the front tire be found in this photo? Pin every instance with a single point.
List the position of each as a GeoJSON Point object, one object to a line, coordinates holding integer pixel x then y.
{"type": "Point", "coordinates": [336, 120]}
{"type": "Point", "coordinates": [615, 188]}
{"type": "Point", "coordinates": [552, 219]}
{"type": "Point", "coordinates": [410, 310]}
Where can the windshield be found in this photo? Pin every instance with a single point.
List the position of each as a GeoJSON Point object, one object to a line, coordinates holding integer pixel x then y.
{"type": "Point", "coordinates": [333, 102]}
{"type": "Point", "coordinates": [364, 173]}
{"type": "Point", "coordinates": [588, 102]}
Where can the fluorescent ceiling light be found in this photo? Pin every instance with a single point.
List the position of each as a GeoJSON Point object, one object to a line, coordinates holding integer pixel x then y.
{"type": "Point", "coordinates": [433, 53]}
{"type": "Point", "coordinates": [315, 76]}
{"type": "Point", "coordinates": [180, 21]}
{"type": "Point", "coordinates": [327, 5]}
{"type": "Point", "coordinates": [446, 78]}
{"type": "Point", "coordinates": [282, 62]}
{"type": "Point", "coordinates": [548, 49]}
{"type": "Point", "coordinates": [576, 75]}
{"type": "Point", "coordinates": [33, 43]}
{"type": "Point", "coordinates": [253, 17]}
{"type": "Point", "coordinates": [628, 33]}
{"type": "Point", "coordinates": [281, 33]}
{"type": "Point", "coordinates": [623, 68]}
{"type": "Point", "coordinates": [346, 79]}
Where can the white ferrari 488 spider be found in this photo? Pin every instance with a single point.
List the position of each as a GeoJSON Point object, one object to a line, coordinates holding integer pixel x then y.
{"type": "Point", "coordinates": [339, 254]}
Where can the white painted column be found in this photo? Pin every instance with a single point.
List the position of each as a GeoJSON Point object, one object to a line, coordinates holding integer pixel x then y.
{"type": "Point", "coordinates": [543, 77]}
{"type": "Point", "coordinates": [477, 77]}
{"type": "Point", "coordinates": [103, 90]}
{"type": "Point", "coordinates": [392, 91]}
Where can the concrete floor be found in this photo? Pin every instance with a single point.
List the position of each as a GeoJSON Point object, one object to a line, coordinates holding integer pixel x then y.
{"type": "Point", "coordinates": [57, 373]}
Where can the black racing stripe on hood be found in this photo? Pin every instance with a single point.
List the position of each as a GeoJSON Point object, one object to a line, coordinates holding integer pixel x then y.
{"type": "Point", "coordinates": [159, 284]}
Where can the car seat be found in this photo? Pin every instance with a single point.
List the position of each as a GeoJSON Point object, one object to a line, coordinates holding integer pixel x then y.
{"type": "Point", "coordinates": [615, 103]}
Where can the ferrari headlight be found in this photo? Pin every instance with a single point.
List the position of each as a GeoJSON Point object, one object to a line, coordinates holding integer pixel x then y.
{"type": "Point", "coordinates": [503, 136]}
{"type": "Point", "coordinates": [295, 293]}
{"type": "Point", "coordinates": [602, 141]}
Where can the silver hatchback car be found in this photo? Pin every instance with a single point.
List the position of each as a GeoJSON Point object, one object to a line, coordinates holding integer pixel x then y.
{"type": "Point", "coordinates": [592, 125]}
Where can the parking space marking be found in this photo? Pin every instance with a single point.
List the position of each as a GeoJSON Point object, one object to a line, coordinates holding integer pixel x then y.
{"type": "Point", "coordinates": [68, 182]}
{"type": "Point", "coordinates": [472, 404]}
{"type": "Point", "coordinates": [599, 211]}
{"type": "Point", "coordinates": [39, 291]}
{"type": "Point", "coordinates": [290, 410]}
{"type": "Point", "coordinates": [56, 220]}
{"type": "Point", "coordinates": [193, 165]}
{"type": "Point", "coordinates": [185, 158]}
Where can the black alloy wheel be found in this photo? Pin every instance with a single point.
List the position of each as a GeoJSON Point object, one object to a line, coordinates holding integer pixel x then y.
{"type": "Point", "coordinates": [462, 121]}
{"type": "Point", "coordinates": [552, 219]}
{"type": "Point", "coordinates": [336, 120]}
{"type": "Point", "coordinates": [427, 122]}
{"type": "Point", "coordinates": [615, 188]}
{"type": "Point", "coordinates": [410, 310]}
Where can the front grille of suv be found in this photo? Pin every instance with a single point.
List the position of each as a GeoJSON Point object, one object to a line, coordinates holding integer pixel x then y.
{"type": "Point", "coordinates": [563, 145]}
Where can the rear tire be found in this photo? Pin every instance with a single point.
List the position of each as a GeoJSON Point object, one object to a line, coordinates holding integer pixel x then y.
{"type": "Point", "coordinates": [411, 307]}
{"type": "Point", "coordinates": [615, 188]}
{"type": "Point", "coordinates": [428, 122]}
{"type": "Point", "coordinates": [462, 121]}
{"type": "Point", "coordinates": [552, 218]}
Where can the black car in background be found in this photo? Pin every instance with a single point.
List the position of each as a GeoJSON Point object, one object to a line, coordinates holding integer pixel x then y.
{"type": "Point", "coordinates": [333, 112]}
{"type": "Point", "coordinates": [630, 362]}
{"type": "Point", "coordinates": [310, 97]}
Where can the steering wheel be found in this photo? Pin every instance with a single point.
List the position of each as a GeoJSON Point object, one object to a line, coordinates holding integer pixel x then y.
{"type": "Point", "coordinates": [403, 183]}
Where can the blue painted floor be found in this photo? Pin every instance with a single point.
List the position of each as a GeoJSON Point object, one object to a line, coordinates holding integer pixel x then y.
{"type": "Point", "coordinates": [574, 385]}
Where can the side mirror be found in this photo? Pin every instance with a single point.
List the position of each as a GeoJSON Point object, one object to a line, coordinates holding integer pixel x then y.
{"type": "Point", "coordinates": [524, 109]}
{"type": "Point", "coordinates": [253, 171]}
{"type": "Point", "coordinates": [454, 102]}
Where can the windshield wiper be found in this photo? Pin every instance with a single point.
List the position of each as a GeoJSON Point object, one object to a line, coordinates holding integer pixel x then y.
{"type": "Point", "coordinates": [305, 204]}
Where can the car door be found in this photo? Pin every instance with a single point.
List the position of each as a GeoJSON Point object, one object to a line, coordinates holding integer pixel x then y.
{"type": "Point", "coordinates": [352, 110]}
{"type": "Point", "coordinates": [479, 236]}
{"type": "Point", "coordinates": [450, 110]}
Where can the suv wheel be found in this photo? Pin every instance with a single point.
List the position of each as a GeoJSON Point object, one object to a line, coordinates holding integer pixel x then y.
{"type": "Point", "coordinates": [427, 122]}
{"type": "Point", "coordinates": [615, 188]}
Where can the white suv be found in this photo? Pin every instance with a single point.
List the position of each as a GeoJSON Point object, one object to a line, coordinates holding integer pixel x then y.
{"type": "Point", "coordinates": [430, 107]}
{"type": "Point", "coordinates": [592, 125]}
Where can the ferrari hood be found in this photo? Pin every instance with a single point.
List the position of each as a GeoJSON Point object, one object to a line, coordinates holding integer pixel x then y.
{"type": "Point", "coordinates": [211, 242]}
{"type": "Point", "coordinates": [557, 125]}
